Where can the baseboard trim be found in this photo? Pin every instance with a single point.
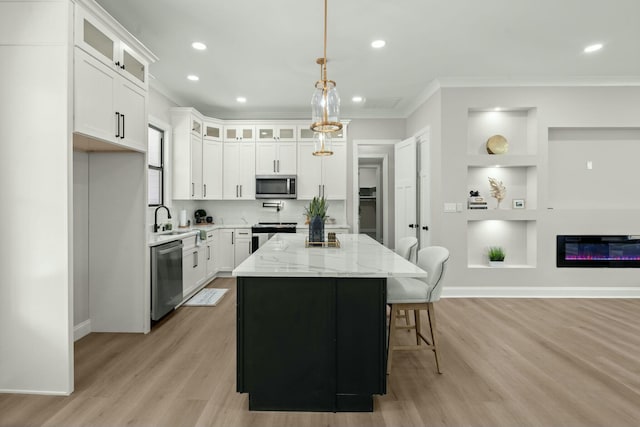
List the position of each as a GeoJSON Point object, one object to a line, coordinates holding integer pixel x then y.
{"type": "Point", "coordinates": [82, 330]}
{"type": "Point", "coordinates": [540, 292]}
{"type": "Point", "coordinates": [41, 392]}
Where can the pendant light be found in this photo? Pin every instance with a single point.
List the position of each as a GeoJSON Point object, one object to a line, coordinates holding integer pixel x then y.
{"type": "Point", "coordinates": [325, 104]}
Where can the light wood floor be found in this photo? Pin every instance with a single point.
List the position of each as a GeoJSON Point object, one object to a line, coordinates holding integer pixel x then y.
{"type": "Point", "coordinates": [506, 362]}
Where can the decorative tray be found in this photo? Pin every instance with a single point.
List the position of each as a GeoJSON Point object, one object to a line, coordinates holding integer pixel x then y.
{"type": "Point", "coordinates": [326, 244]}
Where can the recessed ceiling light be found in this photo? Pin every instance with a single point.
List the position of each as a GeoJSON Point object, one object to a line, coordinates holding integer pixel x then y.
{"type": "Point", "coordinates": [193, 77]}
{"type": "Point", "coordinates": [497, 109]}
{"type": "Point", "coordinates": [378, 43]}
{"type": "Point", "coordinates": [198, 46]}
{"type": "Point", "coordinates": [241, 99]}
{"type": "Point", "coordinates": [357, 99]}
{"type": "Point", "coordinates": [593, 48]}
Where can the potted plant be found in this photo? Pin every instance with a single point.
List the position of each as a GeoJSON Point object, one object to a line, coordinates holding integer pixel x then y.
{"type": "Point", "coordinates": [496, 256]}
{"type": "Point", "coordinates": [316, 213]}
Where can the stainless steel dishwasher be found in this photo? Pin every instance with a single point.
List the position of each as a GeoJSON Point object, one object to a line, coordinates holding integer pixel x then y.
{"type": "Point", "coordinates": [166, 278]}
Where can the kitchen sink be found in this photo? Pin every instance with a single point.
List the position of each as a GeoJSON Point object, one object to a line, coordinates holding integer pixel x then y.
{"type": "Point", "coordinates": [173, 233]}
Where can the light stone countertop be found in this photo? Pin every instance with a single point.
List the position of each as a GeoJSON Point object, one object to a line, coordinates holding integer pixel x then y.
{"type": "Point", "coordinates": [285, 255]}
{"type": "Point", "coordinates": [155, 239]}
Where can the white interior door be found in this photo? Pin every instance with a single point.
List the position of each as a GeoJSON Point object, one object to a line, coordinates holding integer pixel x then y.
{"type": "Point", "coordinates": [405, 189]}
{"type": "Point", "coordinates": [424, 147]}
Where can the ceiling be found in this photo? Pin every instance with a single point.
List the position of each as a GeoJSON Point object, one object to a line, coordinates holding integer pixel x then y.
{"type": "Point", "coordinates": [266, 50]}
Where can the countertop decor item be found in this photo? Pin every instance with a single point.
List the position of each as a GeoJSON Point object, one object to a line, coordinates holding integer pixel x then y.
{"type": "Point", "coordinates": [498, 190]}
{"type": "Point", "coordinates": [325, 103]}
{"type": "Point", "coordinates": [316, 212]}
{"type": "Point", "coordinates": [497, 144]}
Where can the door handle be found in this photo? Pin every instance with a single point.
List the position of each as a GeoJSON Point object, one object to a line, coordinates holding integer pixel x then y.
{"type": "Point", "coordinates": [240, 190]}
{"type": "Point", "coordinates": [122, 136]}
{"type": "Point", "coordinates": [118, 124]}
{"type": "Point", "coordinates": [278, 163]}
{"type": "Point", "coordinates": [193, 189]}
{"type": "Point", "coordinates": [412, 225]}
{"type": "Point", "coordinates": [195, 259]}
{"type": "Point", "coordinates": [425, 227]}
{"type": "Point", "coordinates": [232, 237]}
{"type": "Point", "coordinates": [204, 190]}
{"type": "Point", "coordinates": [236, 191]}
{"type": "Point", "coordinates": [208, 253]}
{"type": "Point", "coordinates": [274, 165]}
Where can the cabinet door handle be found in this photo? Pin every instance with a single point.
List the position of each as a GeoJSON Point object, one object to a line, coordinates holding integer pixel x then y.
{"type": "Point", "coordinates": [204, 190]}
{"type": "Point", "coordinates": [208, 253]}
{"type": "Point", "coordinates": [319, 190]}
{"type": "Point", "coordinates": [237, 193]}
{"type": "Point", "coordinates": [193, 189]}
{"type": "Point", "coordinates": [118, 124]}
{"type": "Point", "coordinates": [195, 259]}
{"type": "Point", "coordinates": [240, 190]}
{"type": "Point", "coordinates": [118, 64]}
{"type": "Point", "coordinates": [232, 237]}
{"type": "Point", "coordinates": [122, 136]}
{"type": "Point", "coordinates": [425, 227]}
{"type": "Point", "coordinates": [278, 163]}
{"type": "Point", "coordinates": [274, 165]}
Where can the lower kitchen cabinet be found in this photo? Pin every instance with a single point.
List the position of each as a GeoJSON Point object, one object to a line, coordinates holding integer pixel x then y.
{"type": "Point", "coordinates": [194, 264]}
{"type": "Point", "coordinates": [211, 259]}
{"type": "Point", "coordinates": [232, 247]}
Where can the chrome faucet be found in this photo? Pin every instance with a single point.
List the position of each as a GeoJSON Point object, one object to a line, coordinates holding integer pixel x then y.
{"type": "Point", "coordinates": [155, 217]}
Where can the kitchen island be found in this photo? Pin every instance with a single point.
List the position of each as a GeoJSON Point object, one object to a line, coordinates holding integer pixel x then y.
{"type": "Point", "coordinates": [311, 323]}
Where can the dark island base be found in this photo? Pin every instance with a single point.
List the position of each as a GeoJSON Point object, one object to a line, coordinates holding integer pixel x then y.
{"type": "Point", "coordinates": [311, 403]}
{"type": "Point", "coordinates": [311, 344]}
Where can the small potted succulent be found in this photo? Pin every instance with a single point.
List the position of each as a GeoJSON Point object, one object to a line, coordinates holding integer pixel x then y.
{"type": "Point", "coordinates": [496, 256]}
{"type": "Point", "coordinates": [316, 213]}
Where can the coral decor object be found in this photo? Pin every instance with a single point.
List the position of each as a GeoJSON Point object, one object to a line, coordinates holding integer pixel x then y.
{"type": "Point", "coordinates": [498, 190]}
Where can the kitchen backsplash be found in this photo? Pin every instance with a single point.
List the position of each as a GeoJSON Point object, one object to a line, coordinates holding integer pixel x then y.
{"type": "Point", "coordinates": [245, 211]}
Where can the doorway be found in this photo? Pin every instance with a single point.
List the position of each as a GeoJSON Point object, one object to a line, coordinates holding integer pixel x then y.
{"type": "Point", "coordinates": [370, 193]}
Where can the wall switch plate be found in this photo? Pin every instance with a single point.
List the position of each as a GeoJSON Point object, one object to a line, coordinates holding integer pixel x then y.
{"type": "Point", "coordinates": [589, 164]}
{"type": "Point", "coordinates": [458, 207]}
{"type": "Point", "coordinates": [449, 207]}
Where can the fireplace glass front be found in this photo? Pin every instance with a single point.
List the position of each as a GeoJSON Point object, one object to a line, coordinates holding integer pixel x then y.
{"type": "Point", "coordinates": [598, 251]}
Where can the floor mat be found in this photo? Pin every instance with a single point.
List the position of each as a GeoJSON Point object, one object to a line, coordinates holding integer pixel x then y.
{"type": "Point", "coordinates": [206, 296]}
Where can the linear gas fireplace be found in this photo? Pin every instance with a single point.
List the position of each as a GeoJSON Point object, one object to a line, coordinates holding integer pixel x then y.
{"type": "Point", "coordinates": [598, 251]}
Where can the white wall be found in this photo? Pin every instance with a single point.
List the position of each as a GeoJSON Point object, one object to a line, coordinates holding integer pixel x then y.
{"type": "Point", "coordinates": [36, 350]}
{"type": "Point", "coordinates": [556, 107]}
{"type": "Point", "coordinates": [80, 237]}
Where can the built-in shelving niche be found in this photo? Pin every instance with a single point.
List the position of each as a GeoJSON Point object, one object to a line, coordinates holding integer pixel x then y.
{"type": "Point", "coordinates": [517, 125]}
{"type": "Point", "coordinates": [520, 182]}
{"type": "Point", "coordinates": [517, 237]}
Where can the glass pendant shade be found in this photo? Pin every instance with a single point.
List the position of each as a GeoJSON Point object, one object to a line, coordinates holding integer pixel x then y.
{"type": "Point", "coordinates": [325, 107]}
{"type": "Point", "coordinates": [322, 144]}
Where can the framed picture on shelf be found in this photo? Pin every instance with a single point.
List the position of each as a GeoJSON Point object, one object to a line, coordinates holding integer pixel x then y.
{"type": "Point", "coordinates": [518, 204]}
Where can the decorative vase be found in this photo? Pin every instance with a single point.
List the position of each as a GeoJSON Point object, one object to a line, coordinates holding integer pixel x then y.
{"type": "Point", "coordinates": [496, 263]}
{"type": "Point", "coordinates": [316, 229]}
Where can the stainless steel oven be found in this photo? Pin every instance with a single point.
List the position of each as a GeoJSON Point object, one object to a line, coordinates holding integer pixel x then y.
{"type": "Point", "coordinates": [276, 187]}
{"type": "Point", "coordinates": [263, 231]}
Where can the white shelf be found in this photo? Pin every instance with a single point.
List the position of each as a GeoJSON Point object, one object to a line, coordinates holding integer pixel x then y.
{"type": "Point", "coordinates": [502, 160]}
{"type": "Point", "coordinates": [517, 125]}
{"type": "Point", "coordinates": [505, 267]}
{"type": "Point", "coordinates": [501, 214]}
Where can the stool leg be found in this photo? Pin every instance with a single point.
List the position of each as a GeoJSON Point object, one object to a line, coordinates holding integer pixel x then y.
{"type": "Point", "coordinates": [417, 319]}
{"type": "Point", "coordinates": [432, 325]}
{"type": "Point", "coordinates": [392, 328]}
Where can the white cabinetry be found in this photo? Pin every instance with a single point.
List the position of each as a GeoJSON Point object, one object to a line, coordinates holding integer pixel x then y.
{"type": "Point", "coordinates": [276, 133]}
{"type": "Point", "coordinates": [306, 134]}
{"type": "Point", "coordinates": [223, 249]}
{"type": "Point", "coordinates": [108, 106]}
{"type": "Point", "coordinates": [244, 133]}
{"type": "Point", "coordinates": [322, 176]}
{"type": "Point", "coordinates": [241, 245]}
{"type": "Point", "coordinates": [276, 158]}
{"type": "Point", "coordinates": [97, 39]}
{"type": "Point", "coordinates": [194, 265]}
{"type": "Point", "coordinates": [197, 161]}
{"type": "Point", "coordinates": [239, 170]}
{"type": "Point", "coordinates": [212, 131]}
{"type": "Point", "coordinates": [232, 247]}
{"type": "Point", "coordinates": [210, 255]}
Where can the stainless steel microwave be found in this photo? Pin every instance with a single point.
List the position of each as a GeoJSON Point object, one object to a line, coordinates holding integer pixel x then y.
{"type": "Point", "coordinates": [276, 187]}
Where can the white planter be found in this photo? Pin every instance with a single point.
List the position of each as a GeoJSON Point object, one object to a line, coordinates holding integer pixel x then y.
{"type": "Point", "coordinates": [496, 263]}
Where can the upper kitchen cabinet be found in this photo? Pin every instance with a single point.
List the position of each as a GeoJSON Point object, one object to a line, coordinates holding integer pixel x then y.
{"type": "Point", "coordinates": [212, 131]}
{"type": "Point", "coordinates": [276, 133]}
{"type": "Point", "coordinates": [241, 133]}
{"type": "Point", "coordinates": [239, 180]}
{"type": "Point", "coordinates": [306, 134]}
{"type": "Point", "coordinates": [94, 36]}
{"type": "Point", "coordinates": [110, 79]}
{"type": "Point", "coordinates": [322, 176]}
{"type": "Point", "coordinates": [276, 158]}
{"type": "Point", "coordinates": [188, 154]}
